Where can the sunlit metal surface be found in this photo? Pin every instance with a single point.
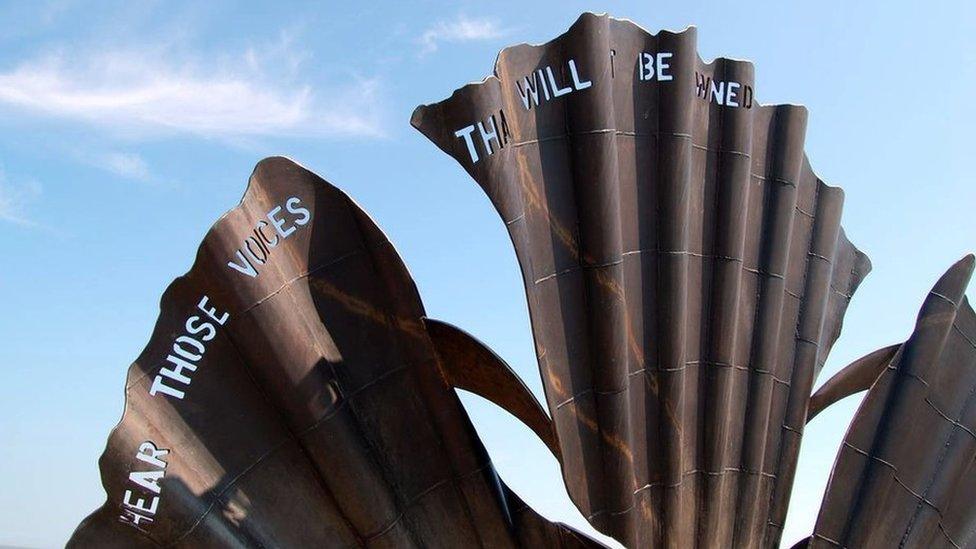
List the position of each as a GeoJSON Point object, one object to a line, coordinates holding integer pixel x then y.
{"type": "Point", "coordinates": [685, 270]}
{"type": "Point", "coordinates": [291, 397]}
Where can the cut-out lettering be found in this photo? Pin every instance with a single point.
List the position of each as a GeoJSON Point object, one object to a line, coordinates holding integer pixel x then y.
{"type": "Point", "coordinates": [141, 499]}
{"type": "Point", "coordinates": [493, 133]}
{"type": "Point", "coordinates": [545, 80]}
{"type": "Point", "coordinates": [188, 350]}
{"type": "Point", "coordinates": [255, 249]}
{"type": "Point", "coordinates": [726, 93]}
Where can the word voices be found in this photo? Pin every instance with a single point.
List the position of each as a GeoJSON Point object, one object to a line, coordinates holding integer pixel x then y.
{"type": "Point", "coordinates": [188, 349]}
{"type": "Point", "coordinates": [257, 247]}
{"type": "Point", "coordinates": [141, 508]}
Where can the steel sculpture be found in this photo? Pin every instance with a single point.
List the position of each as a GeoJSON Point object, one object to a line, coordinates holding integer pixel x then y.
{"type": "Point", "coordinates": [685, 269]}
{"type": "Point", "coordinates": [686, 274]}
{"type": "Point", "coordinates": [291, 396]}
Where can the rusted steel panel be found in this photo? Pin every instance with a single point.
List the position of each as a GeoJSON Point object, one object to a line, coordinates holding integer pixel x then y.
{"type": "Point", "coordinates": [906, 473]}
{"type": "Point", "coordinates": [855, 377]}
{"type": "Point", "coordinates": [472, 366]}
{"type": "Point", "coordinates": [291, 397]}
{"type": "Point", "coordinates": [685, 271]}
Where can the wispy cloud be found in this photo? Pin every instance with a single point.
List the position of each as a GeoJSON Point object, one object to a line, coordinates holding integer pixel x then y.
{"type": "Point", "coordinates": [460, 29]}
{"type": "Point", "coordinates": [256, 93]}
{"type": "Point", "coordinates": [15, 199]}
{"type": "Point", "coordinates": [127, 165]}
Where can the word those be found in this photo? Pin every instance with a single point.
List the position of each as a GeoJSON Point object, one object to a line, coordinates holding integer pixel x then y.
{"type": "Point", "coordinates": [257, 247]}
{"type": "Point", "coordinates": [141, 508]}
{"type": "Point", "coordinates": [726, 93]}
{"type": "Point", "coordinates": [188, 349]}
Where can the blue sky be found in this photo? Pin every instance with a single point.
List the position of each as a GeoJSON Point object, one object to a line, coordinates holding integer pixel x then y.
{"type": "Point", "coordinates": [126, 130]}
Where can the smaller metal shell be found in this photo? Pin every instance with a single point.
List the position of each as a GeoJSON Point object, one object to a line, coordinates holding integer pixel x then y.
{"type": "Point", "coordinates": [906, 473]}
{"type": "Point", "coordinates": [290, 397]}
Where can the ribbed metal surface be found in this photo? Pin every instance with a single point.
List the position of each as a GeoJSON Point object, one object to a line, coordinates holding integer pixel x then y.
{"type": "Point", "coordinates": [685, 270]}
{"type": "Point", "coordinates": [314, 414]}
{"type": "Point", "coordinates": [906, 473]}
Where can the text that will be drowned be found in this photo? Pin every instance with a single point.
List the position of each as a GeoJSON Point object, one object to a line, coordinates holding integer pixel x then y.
{"type": "Point", "coordinates": [545, 85]}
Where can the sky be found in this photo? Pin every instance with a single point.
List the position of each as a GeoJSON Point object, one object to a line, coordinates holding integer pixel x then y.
{"type": "Point", "coordinates": [128, 128]}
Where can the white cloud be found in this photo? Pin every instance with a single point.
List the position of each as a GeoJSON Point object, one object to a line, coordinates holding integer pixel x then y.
{"type": "Point", "coordinates": [127, 165]}
{"type": "Point", "coordinates": [14, 199]}
{"type": "Point", "coordinates": [158, 91]}
{"type": "Point", "coordinates": [461, 29]}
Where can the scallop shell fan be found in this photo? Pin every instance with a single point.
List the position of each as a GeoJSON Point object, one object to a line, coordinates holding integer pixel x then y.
{"type": "Point", "coordinates": [292, 396]}
{"type": "Point", "coordinates": [685, 270]}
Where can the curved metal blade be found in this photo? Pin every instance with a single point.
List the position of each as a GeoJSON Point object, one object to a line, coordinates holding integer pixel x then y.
{"type": "Point", "coordinates": [906, 473]}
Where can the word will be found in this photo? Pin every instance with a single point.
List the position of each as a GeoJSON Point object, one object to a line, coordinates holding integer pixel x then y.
{"type": "Point", "coordinates": [257, 247]}
{"type": "Point", "coordinates": [188, 349]}
{"type": "Point", "coordinates": [534, 89]}
{"type": "Point", "coordinates": [143, 508]}
{"type": "Point", "coordinates": [544, 80]}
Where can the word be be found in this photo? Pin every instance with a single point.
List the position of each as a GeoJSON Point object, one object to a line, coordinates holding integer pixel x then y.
{"type": "Point", "coordinates": [646, 66]}
{"type": "Point", "coordinates": [537, 81]}
{"type": "Point", "coordinates": [729, 94]}
{"type": "Point", "coordinates": [488, 130]}
{"type": "Point", "coordinates": [257, 247]}
{"type": "Point", "coordinates": [187, 351]}
{"type": "Point", "coordinates": [135, 512]}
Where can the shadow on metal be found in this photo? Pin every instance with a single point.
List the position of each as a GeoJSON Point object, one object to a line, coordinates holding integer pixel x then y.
{"type": "Point", "coordinates": [906, 473]}
{"type": "Point", "coordinates": [290, 396]}
{"type": "Point", "coordinates": [685, 270]}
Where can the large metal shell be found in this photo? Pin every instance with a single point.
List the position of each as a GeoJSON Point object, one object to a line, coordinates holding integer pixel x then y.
{"type": "Point", "coordinates": [685, 270]}
{"type": "Point", "coordinates": [296, 400]}
{"type": "Point", "coordinates": [906, 473]}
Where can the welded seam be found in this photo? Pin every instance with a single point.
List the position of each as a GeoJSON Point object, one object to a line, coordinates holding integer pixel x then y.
{"type": "Point", "coordinates": [950, 437]}
{"type": "Point", "coordinates": [409, 504]}
{"type": "Point", "coordinates": [652, 371]}
{"type": "Point", "coordinates": [894, 475]}
{"type": "Point", "coordinates": [785, 426]}
{"type": "Point", "coordinates": [152, 371]}
{"type": "Point", "coordinates": [673, 485]}
{"type": "Point", "coordinates": [305, 274]}
{"type": "Point", "coordinates": [346, 398]}
{"type": "Point", "coordinates": [779, 180]}
{"type": "Point", "coordinates": [231, 484]}
{"type": "Point", "coordinates": [614, 131]}
{"type": "Point", "coordinates": [754, 270]}
{"type": "Point", "coordinates": [515, 219]}
{"type": "Point", "coordinates": [967, 337]}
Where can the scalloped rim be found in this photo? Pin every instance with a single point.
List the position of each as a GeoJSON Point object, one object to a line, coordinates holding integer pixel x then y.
{"type": "Point", "coordinates": [602, 15]}
{"type": "Point", "coordinates": [102, 466]}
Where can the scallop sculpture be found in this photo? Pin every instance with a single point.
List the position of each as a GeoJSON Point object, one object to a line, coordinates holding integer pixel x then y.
{"type": "Point", "coordinates": [685, 270]}
{"type": "Point", "coordinates": [291, 396]}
